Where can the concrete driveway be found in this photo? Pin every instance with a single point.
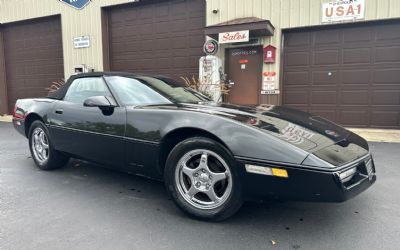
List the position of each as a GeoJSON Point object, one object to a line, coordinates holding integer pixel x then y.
{"type": "Point", "coordinates": [86, 207]}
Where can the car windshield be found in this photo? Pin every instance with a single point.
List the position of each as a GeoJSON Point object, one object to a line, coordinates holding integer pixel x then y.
{"type": "Point", "coordinates": [146, 90]}
{"type": "Point", "coordinates": [173, 90]}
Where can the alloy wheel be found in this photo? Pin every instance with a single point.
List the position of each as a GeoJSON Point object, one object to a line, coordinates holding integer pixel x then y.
{"type": "Point", "coordinates": [203, 179]}
{"type": "Point", "coordinates": [40, 145]}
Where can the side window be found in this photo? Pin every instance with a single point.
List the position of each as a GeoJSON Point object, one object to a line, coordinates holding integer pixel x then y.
{"type": "Point", "coordinates": [83, 88]}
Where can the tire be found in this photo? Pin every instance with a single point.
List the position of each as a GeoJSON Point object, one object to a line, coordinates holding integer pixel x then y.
{"type": "Point", "coordinates": [208, 188]}
{"type": "Point", "coordinates": [43, 153]}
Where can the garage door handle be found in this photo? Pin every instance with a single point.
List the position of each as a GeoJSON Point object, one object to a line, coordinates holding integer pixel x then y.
{"type": "Point", "coordinates": [59, 111]}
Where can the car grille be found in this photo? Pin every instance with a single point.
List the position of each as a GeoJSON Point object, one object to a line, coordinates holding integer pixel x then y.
{"type": "Point", "coordinates": [365, 169]}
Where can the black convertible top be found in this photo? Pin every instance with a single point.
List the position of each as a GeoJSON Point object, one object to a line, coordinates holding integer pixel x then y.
{"type": "Point", "coordinates": [60, 93]}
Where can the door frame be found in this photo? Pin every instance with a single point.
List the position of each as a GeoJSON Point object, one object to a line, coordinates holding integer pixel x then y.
{"type": "Point", "coordinates": [260, 69]}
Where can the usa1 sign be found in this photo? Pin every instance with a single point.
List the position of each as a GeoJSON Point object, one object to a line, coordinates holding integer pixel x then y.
{"type": "Point", "coordinates": [234, 37]}
{"type": "Point", "coordinates": [77, 4]}
{"type": "Point", "coordinates": [343, 10]}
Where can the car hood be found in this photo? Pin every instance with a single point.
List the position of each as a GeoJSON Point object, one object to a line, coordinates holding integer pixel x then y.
{"type": "Point", "coordinates": [314, 134]}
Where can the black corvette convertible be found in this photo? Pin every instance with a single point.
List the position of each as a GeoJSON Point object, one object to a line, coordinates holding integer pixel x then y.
{"type": "Point", "coordinates": [211, 156]}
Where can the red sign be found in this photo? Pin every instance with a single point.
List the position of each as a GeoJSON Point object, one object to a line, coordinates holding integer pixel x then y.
{"type": "Point", "coordinates": [273, 73]}
{"type": "Point", "coordinates": [269, 54]}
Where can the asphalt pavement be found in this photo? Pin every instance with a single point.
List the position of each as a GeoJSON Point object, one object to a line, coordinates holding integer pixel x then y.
{"type": "Point", "coordinates": [84, 206]}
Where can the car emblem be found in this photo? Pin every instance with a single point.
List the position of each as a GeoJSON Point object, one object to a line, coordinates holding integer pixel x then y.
{"type": "Point", "coordinates": [332, 133]}
{"type": "Point", "coordinates": [77, 4]}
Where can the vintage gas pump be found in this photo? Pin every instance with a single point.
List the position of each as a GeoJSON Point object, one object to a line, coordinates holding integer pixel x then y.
{"type": "Point", "coordinates": [210, 76]}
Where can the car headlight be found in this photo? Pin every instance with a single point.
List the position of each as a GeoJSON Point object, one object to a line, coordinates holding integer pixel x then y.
{"type": "Point", "coordinates": [348, 174]}
{"type": "Point", "coordinates": [278, 172]}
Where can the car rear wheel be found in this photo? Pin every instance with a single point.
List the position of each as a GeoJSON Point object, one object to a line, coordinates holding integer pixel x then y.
{"type": "Point", "coordinates": [202, 179]}
{"type": "Point", "coordinates": [42, 151]}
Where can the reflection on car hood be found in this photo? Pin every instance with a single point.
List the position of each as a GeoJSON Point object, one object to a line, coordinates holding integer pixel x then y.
{"type": "Point", "coordinates": [308, 132]}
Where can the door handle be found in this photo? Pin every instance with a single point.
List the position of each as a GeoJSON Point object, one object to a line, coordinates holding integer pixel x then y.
{"type": "Point", "coordinates": [59, 111]}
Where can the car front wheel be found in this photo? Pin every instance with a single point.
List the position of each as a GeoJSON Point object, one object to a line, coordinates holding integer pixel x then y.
{"type": "Point", "coordinates": [42, 151]}
{"type": "Point", "coordinates": [202, 178]}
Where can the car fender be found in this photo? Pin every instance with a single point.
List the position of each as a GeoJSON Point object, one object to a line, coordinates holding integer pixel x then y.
{"type": "Point", "coordinates": [242, 140]}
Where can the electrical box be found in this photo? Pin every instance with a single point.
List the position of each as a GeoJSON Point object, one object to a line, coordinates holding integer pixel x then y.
{"type": "Point", "coordinates": [210, 76]}
{"type": "Point", "coordinates": [82, 68]}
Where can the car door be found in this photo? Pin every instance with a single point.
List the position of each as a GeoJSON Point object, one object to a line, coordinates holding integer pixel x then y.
{"type": "Point", "coordinates": [89, 132]}
{"type": "Point", "coordinates": [144, 123]}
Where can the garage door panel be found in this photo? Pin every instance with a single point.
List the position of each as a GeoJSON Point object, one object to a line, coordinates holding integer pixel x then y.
{"type": "Point", "coordinates": [388, 32]}
{"type": "Point", "coordinates": [296, 78]}
{"type": "Point", "coordinates": [195, 23]}
{"type": "Point", "coordinates": [298, 40]}
{"type": "Point", "coordinates": [385, 118]}
{"type": "Point", "coordinates": [326, 57]}
{"type": "Point", "coordinates": [162, 27]}
{"type": "Point", "coordinates": [163, 43]}
{"type": "Point", "coordinates": [329, 114]}
{"type": "Point", "coordinates": [296, 98]}
{"type": "Point", "coordinates": [297, 59]}
{"type": "Point", "coordinates": [147, 45]}
{"type": "Point", "coordinates": [34, 57]}
{"type": "Point", "coordinates": [180, 62]}
{"type": "Point", "coordinates": [163, 63]}
{"type": "Point", "coordinates": [326, 38]}
{"type": "Point", "coordinates": [354, 97]}
{"type": "Point", "coordinates": [386, 97]}
{"type": "Point", "coordinates": [179, 43]}
{"type": "Point", "coordinates": [164, 36]}
{"type": "Point", "coordinates": [179, 8]}
{"type": "Point", "coordinates": [145, 14]}
{"type": "Point", "coordinates": [180, 25]}
{"type": "Point", "coordinates": [357, 35]}
{"type": "Point", "coordinates": [357, 77]}
{"type": "Point", "coordinates": [387, 76]}
{"type": "Point", "coordinates": [192, 63]}
{"type": "Point", "coordinates": [323, 97]}
{"type": "Point", "coordinates": [358, 118]}
{"type": "Point", "coordinates": [145, 29]}
{"type": "Point", "coordinates": [358, 55]}
{"type": "Point", "coordinates": [326, 77]}
{"type": "Point", "coordinates": [387, 54]}
{"type": "Point", "coordinates": [118, 48]}
{"type": "Point", "coordinates": [196, 42]}
{"type": "Point", "coordinates": [122, 63]}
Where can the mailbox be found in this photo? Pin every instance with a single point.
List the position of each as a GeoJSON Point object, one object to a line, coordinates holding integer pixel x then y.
{"type": "Point", "coordinates": [269, 54]}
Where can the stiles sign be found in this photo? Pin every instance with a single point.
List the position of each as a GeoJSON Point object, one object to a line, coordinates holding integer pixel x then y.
{"type": "Point", "coordinates": [343, 10]}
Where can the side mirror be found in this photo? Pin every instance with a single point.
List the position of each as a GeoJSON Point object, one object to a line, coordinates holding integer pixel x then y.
{"type": "Point", "coordinates": [102, 102]}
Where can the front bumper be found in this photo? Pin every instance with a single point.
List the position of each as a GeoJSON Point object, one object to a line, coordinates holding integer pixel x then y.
{"type": "Point", "coordinates": [306, 184]}
{"type": "Point", "coordinates": [19, 125]}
